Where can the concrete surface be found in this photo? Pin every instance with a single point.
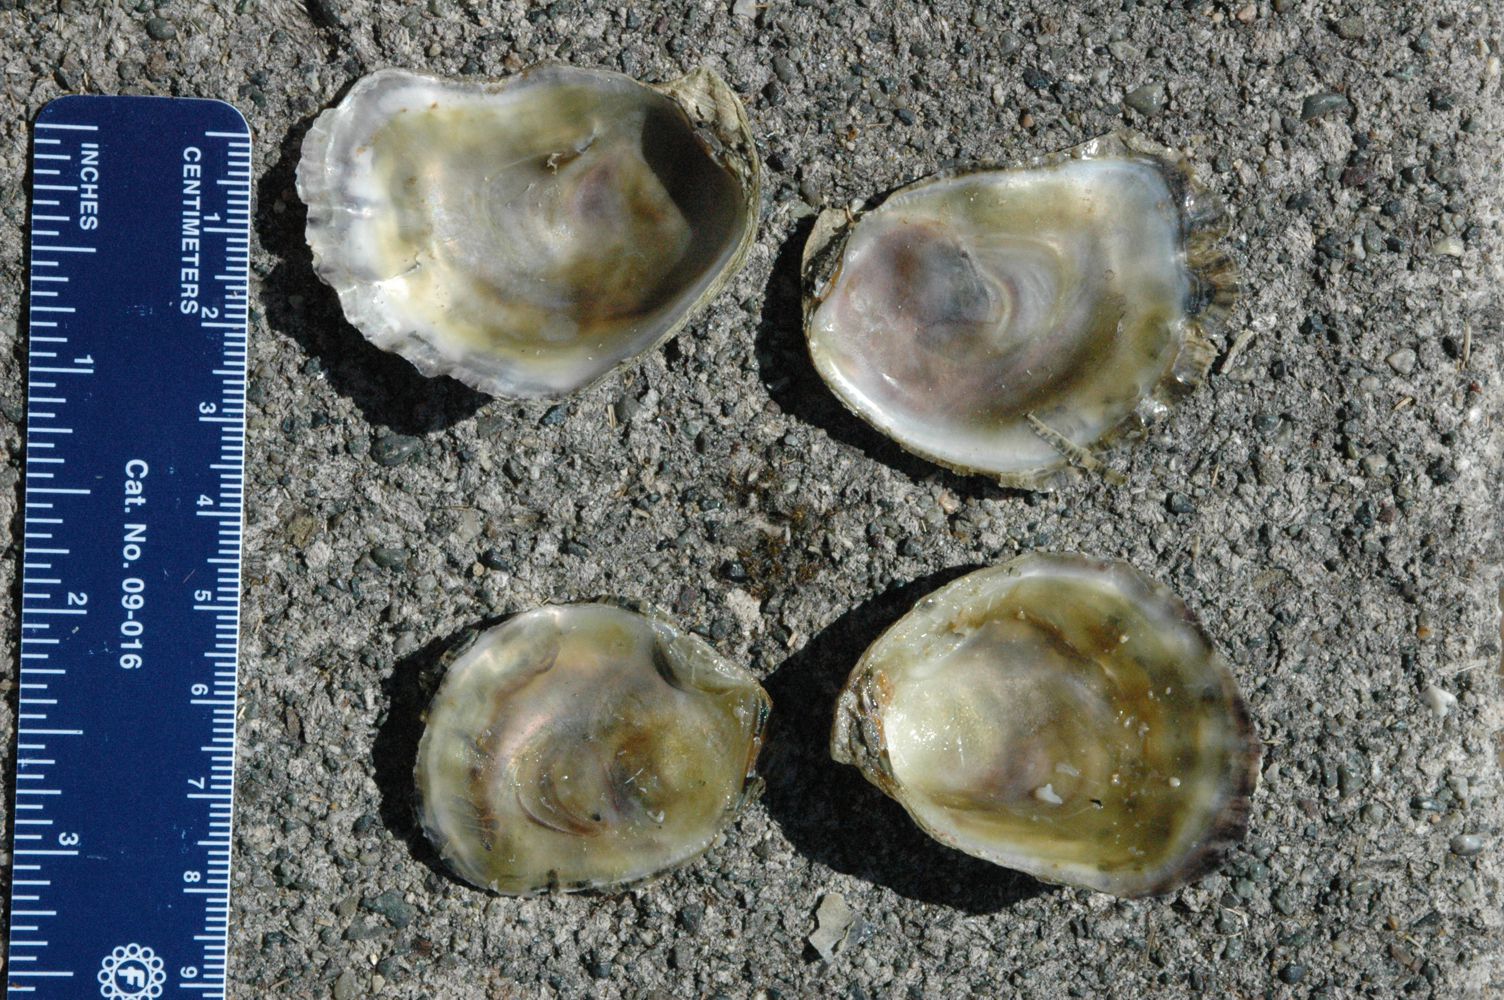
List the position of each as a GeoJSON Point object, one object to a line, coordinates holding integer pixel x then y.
{"type": "Point", "coordinates": [1327, 503]}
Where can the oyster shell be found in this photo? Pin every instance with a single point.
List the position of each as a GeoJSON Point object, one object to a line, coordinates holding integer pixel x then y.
{"type": "Point", "coordinates": [1009, 322]}
{"type": "Point", "coordinates": [1060, 716]}
{"type": "Point", "coordinates": [584, 747]}
{"type": "Point", "coordinates": [528, 235]}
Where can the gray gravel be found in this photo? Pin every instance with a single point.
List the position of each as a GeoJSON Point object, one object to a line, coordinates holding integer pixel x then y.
{"type": "Point", "coordinates": [1327, 503]}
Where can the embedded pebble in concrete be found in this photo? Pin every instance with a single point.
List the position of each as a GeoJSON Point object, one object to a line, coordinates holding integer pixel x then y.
{"type": "Point", "coordinates": [1439, 700]}
{"type": "Point", "coordinates": [833, 925]}
{"type": "Point", "coordinates": [1402, 361]}
{"type": "Point", "coordinates": [1322, 103]}
{"type": "Point", "coordinates": [1147, 100]}
{"type": "Point", "coordinates": [1467, 844]}
{"type": "Point", "coordinates": [1343, 543]}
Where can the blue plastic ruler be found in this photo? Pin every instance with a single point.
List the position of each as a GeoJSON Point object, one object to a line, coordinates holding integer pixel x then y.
{"type": "Point", "coordinates": [135, 429]}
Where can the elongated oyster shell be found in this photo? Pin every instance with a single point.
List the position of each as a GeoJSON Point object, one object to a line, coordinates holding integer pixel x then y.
{"type": "Point", "coordinates": [1008, 322]}
{"type": "Point", "coordinates": [1059, 716]}
{"type": "Point", "coordinates": [528, 235]}
{"type": "Point", "coordinates": [585, 747]}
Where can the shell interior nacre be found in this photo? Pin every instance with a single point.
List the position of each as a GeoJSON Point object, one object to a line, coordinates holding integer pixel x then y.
{"type": "Point", "coordinates": [585, 746]}
{"type": "Point", "coordinates": [1060, 717]}
{"type": "Point", "coordinates": [1007, 322]}
{"type": "Point", "coordinates": [527, 236]}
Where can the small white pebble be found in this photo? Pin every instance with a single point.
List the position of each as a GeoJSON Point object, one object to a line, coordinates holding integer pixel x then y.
{"type": "Point", "coordinates": [1439, 701]}
{"type": "Point", "coordinates": [1402, 361]}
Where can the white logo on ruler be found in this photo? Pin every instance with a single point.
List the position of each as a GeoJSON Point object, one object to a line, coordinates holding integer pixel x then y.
{"type": "Point", "coordinates": [131, 972]}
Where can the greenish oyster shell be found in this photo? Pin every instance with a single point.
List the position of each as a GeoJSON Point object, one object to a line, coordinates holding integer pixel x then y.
{"type": "Point", "coordinates": [1059, 716]}
{"type": "Point", "coordinates": [1011, 322]}
{"type": "Point", "coordinates": [528, 235]}
{"type": "Point", "coordinates": [585, 746]}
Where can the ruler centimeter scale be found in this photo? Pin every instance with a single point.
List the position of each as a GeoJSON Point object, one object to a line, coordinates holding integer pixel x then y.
{"type": "Point", "coordinates": [135, 429]}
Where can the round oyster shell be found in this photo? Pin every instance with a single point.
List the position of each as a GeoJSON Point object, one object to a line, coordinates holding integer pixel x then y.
{"type": "Point", "coordinates": [585, 747]}
{"type": "Point", "coordinates": [1009, 322]}
{"type": "Point", "coordinates": [1059, 716]}
{"type": "Point", "coordinates": [528, 235]}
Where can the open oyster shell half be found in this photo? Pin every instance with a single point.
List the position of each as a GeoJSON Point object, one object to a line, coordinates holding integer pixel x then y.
{"type": "Point", "coordinates": [530, 234]}
{"type": "Point", "coordinates": [1009, 322]}
{"type": "Point", "coordinates": [585, 747]}
{"type": "Point", "coordinates": [1059, 716]}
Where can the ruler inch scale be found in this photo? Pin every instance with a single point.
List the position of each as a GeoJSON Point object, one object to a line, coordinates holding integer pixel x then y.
{"type": "Point", "coordinates": [130, 575]}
